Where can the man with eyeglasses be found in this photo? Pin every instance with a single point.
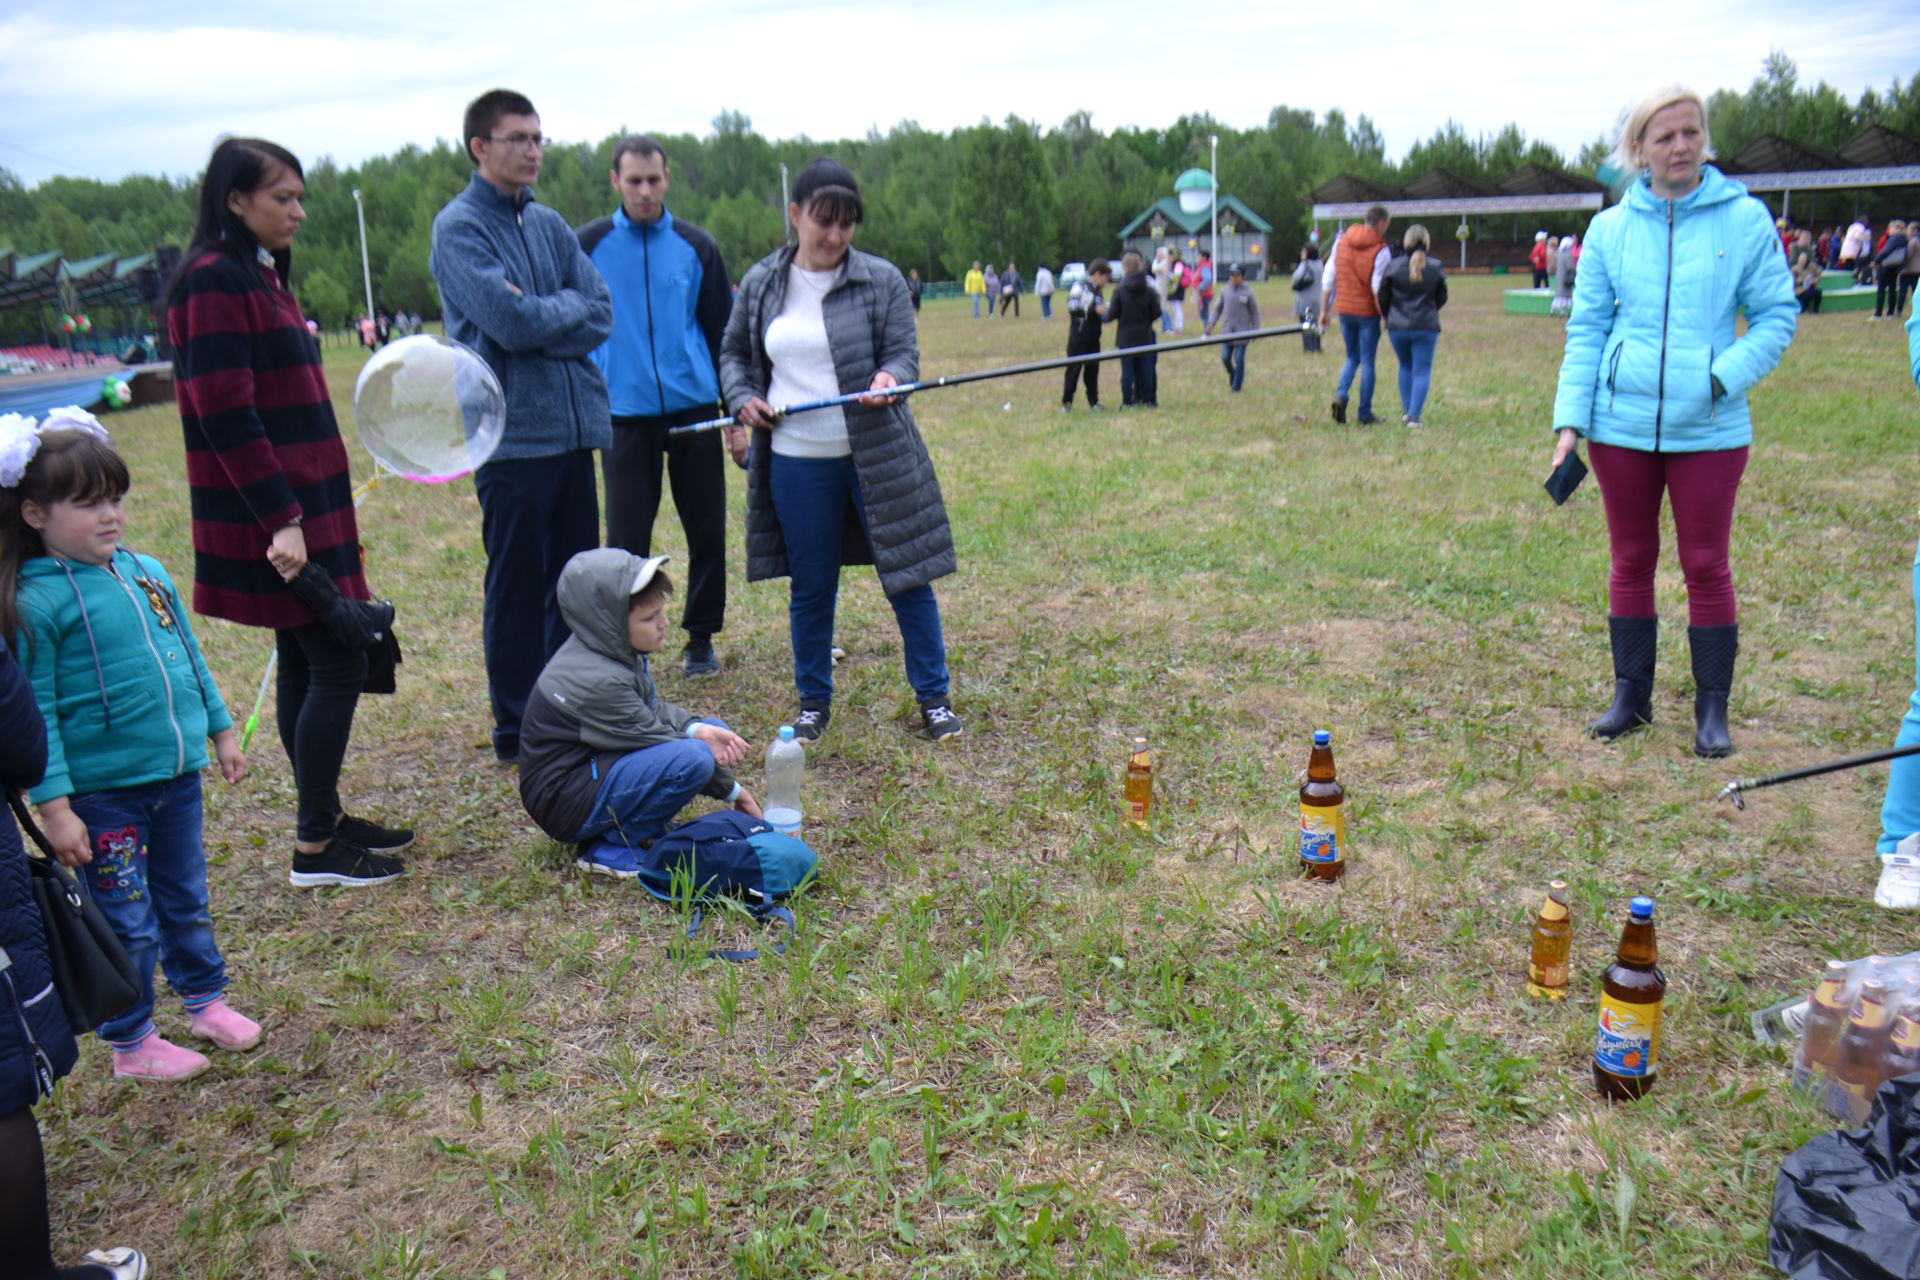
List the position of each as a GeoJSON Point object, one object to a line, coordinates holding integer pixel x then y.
{"type": "Point", "coordinates": [671, 299]}
{"type": "Point", "coordinates": [516, 287]}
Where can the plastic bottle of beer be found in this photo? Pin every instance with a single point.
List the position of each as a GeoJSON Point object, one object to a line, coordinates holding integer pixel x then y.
{"type": "Point", "coordinates": [1552, 940]}
{"type": "Point", "coordinates": [1826, 1019]}
{"type": "Point", "coordinates": [1903, 1048]}
{"type": "Point", "coordinates": [1323, 814]}
{"type": "Point", "coordinates": [1859, 1055]}
{"type": "Point", "coordinates": [1139, 785]}
{"type": "Point", "coordinates": [786, 772]}
{"type": "Point", "coordinates": [1626, 1048]}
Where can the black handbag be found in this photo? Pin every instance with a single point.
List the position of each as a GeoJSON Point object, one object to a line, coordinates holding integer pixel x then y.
{"type": "Point", "coordinates": [91, 971]}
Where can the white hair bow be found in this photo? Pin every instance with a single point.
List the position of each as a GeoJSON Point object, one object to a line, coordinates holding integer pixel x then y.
{"type": "Point", "coordinates": [20, 438]}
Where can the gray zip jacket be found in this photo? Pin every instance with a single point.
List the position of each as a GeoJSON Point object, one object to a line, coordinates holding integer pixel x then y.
{"type": "Point", "coordinates": [869, 320]}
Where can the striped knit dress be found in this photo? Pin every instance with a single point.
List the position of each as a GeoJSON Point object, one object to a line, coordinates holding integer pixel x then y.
{"type": "Point", "coordinates": [263, 446]}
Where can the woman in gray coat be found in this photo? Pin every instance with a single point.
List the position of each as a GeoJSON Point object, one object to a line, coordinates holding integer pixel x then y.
{"type": "Point", "coordinates": [853, 485]}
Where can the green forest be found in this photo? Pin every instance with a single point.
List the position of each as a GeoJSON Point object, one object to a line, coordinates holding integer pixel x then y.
{"type": "Point", "coordinates": [935, 201]}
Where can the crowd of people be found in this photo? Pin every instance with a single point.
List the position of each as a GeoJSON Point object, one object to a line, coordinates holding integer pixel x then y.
{"type": "Point", "coordinates": [609, 336]}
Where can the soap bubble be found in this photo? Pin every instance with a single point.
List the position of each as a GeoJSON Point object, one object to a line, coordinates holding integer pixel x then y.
{"type": "Point", "coordinates": [429, 408]}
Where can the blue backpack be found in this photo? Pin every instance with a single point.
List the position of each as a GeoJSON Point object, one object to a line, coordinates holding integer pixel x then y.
{"type": "Point", "coordinates": [727, 856]}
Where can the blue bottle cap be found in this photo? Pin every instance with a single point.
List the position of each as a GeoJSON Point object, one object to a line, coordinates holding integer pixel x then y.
{"type": "Point", "coordinates": [1321, 737]}
{"type": "Point", "coordinates": [1641, 908]}
{"type": "Point", "coordinates": [786, 733]}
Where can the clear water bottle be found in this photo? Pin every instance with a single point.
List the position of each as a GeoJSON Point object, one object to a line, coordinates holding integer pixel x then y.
{"type": "Point", "coordinates": [786, 769]}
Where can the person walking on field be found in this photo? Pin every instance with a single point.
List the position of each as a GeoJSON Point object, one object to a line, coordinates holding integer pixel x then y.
{"type": "Point", "coordinates": [1855, 248]}
{"type": "Point", "coordinates": [519, 290]}
{"type": "Point", "coordinates": [1178, 277]}
{"type": "Point", "coordinates": [1541, 255]}
{"type": "Point", "coordinates": [975, 287]}
{"type": "Point", "coordinates": [1010, 291]}
{"type": "Point", "coordinates": [671, 298]}
{"type": "Point", "coordinates": [993, 290]}
{"type": "Point", "coordinates": [1043, 290]}
{"type": "Point", "coordinates": [1656, 378]}
{"type": "Point", "coordinates": [1352, 284]}
{"type": "Point", "coordinates": [1887, 264]}
{"type": "Point", "coordinates": [1161, 275]}
{"type": "Point", "coordinates": [1411, 295]}
{"type": "Point", "coordinates": [1306, 299]}
{"type": "Point", "coordinates": [1237, 312]}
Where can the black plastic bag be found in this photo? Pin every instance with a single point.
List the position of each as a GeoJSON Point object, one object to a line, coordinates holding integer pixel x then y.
{"type": "Point", "coordinates": [356, 624]}
{"type": "Point", "coordinates": [1847, 1205]}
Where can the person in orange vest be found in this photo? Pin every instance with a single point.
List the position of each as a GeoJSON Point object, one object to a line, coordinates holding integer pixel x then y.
{"type": "Point", "coordinates": [1359, 260]}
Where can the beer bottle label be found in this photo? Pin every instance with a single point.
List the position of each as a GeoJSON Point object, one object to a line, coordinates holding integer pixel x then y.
{"type": "Point", "coordinates": [1323, 833]}
{"type": "Point", "coordinates": [1547, 975]}
{"type": "Point", "coordinates": [1628, 1042]}
{"type": "Point", "coordinates": [1906, 1033]}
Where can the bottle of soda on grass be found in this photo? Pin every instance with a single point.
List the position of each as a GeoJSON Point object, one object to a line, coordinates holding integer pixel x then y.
{"type": "Point", "coordinates": [1626, 1047]}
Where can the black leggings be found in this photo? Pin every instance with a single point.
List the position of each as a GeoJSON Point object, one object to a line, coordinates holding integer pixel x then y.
{"type": "Point", "coordinates": [318, 687]}
{"type": "Point", "coordinates": [26, 1234]}
{"type": "Point", "coordinates": [1886, 290]}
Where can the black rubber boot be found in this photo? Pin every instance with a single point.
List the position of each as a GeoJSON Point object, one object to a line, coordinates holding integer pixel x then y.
{"type": "Point", "coordinates": [1635, 646]}
{"type": "Point", "coordinates": [1714, 649]}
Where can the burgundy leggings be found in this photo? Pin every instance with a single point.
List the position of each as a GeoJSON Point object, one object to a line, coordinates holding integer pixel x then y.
{"type": "Point", "coordinates": [1703, 487]}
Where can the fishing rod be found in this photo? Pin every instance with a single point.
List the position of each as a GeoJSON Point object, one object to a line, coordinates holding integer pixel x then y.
{"type": "Point", "coordinates": [982, 375]}
{"type": "Point", "coordinates": [1733, 789]}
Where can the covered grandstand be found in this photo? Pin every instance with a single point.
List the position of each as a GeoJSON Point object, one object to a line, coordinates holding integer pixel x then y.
{"type": "Point", "coordinates": [45, 363]}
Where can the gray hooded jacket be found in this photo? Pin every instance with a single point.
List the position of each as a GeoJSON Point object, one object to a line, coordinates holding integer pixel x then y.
{"type": "Point", "coordinates": [595, 701]}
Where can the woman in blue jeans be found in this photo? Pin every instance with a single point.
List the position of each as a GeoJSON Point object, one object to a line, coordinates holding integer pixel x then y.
{"type": "Point", "coordinates": [1412, 292]}
{"type": "Point", "coordinates": [847, 485]}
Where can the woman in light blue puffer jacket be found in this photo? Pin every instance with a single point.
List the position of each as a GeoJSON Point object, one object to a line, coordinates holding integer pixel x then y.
{"type": "Point", "coordinates": [1656, 378]}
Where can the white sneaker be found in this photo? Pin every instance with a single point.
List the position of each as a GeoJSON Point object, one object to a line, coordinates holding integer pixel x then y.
{"type": "Point", "coordinates": [1899, 888]}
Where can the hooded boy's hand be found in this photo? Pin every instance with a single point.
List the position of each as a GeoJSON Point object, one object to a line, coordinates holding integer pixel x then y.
{"type": "Point", "coordinates": [729, 748]}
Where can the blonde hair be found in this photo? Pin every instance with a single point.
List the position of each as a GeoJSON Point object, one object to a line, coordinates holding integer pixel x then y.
{"type": "Point", "coordinates": [1417, 240]}
{"type": "Point", "coordinates": [1633, 125]}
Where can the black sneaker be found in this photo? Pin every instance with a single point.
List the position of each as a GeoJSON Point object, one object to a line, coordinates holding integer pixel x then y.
{"type": "Point", "coordinates": [1339, 411]}
{"type": "Point", "coordinates": [373, 837]}
{"type": "Point", "coordinates": [941, 722]}
{"type": "Point", "coordinates": [345, 863]}
{"type": "Point", "coordinates": [812, 722]}
{"type": "Point", "coordinates": [699, 659]}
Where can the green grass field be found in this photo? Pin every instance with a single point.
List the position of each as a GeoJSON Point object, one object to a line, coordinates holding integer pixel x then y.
{"type": "Point", "coordinates": [1018, 1037]}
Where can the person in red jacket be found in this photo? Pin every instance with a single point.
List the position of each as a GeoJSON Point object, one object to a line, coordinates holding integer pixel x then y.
{"type": "Point", "coordinates": [1539, 259]}
{"type": "Point", "coordinates": [269, 487]}
{"type": "Point", "coordinates": [1359, 261]}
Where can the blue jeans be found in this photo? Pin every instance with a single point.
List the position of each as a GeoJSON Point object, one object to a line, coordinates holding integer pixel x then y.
{"type": "Point", "coordinates": [1415, 349]}
{"type": "Point", "coordinates": [1900, 812]}
{"type": "Point", "coordinates": [149, 877]}
{"type": "Point", "coordinates": [1140, 379]}
{"type": "Point", "coordinates": [1234, 356]}
{"type": "Point", "coordinates": [810, 497]}
{"type": "Point", "coordinates": [1046, 306]}
{"type": "Point", "coordinates": [976, 306]}
{"type": "Point", "coordinates": [643, 790]}
{"type": "Point", "coordinates": [1362, 336]}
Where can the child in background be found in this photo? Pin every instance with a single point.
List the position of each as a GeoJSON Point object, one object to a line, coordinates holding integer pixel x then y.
{"type": "Point", "coordinates": [1086, 312]}
{"type": "Point", "coordinates": [605, 762]}
{"type": "Point", "coordinates": [129, 705]}
{"type": "Point", "coordinates": [1133, 311]}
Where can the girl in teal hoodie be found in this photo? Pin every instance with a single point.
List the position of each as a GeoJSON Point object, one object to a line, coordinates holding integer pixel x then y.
{"type": "Point", "coordinates": [129, 705]}
{"type": "Point", "coordinates": [1656, 379]}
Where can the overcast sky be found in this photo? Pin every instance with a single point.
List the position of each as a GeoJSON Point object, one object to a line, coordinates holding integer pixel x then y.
{"type": "Point", "coordinates": [106, 88]}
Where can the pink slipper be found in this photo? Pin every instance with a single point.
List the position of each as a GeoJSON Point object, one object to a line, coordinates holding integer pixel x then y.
{"type": "Point", "coordinates": [219, 1023]}
{"type": "Point", "coordinates": [157, 1059]}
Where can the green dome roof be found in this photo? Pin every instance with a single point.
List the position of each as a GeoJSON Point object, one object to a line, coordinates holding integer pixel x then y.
{"type": "Point", "coordinates": [1194, 180]}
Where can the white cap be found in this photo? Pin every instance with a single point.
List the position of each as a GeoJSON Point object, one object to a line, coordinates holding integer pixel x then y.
{"type": "Point", "coordinates": [648, 567]}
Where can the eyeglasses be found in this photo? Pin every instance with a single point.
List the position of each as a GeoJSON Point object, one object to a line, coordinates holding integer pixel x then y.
{"type": "Point", "coordinates": [523, 141]}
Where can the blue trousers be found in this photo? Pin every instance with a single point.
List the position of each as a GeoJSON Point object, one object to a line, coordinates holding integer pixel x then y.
{"type": "Point", "coordinates": [1362, 337]}
{"type": "Point", "coordinates": [1414, 347]}
{"type": "Point", "coordinates": [1046, 306]}
{"type": "Point", "coordinates": [976, 306]}
{"type": "Point", "coordinates": [644, 790]}
{"type": "Point", "coordinates": [1900, 812]}
{"type": "Point", "coordinates": [149, 877]}
{"type": "Point", "coordinates": [1234, 356]}
{"type": "Point", "coordinates": [1139, 379]}
{"type": "Point", "coordinates": [810, 497]}
{"type": "Point", "coordinates": [535, 514]}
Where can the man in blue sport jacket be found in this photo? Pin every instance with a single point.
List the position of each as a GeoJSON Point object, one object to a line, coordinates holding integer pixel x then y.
{"type": "Point", "coordinates": [671, 299]}
{"type": "Point", "coordinates": [515, 287]}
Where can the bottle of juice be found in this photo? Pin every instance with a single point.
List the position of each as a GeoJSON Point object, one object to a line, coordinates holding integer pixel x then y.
{"type": "Point", "coordinates": [1552, 940]}
{"type": "Point", "coordinates": [1323, 814]}
{"type": "Point", "coordinates": [1860, 1054]}
{"type": "Point", "coordinates": [1626, 1048]}
{"type": "Point", "coordinates": [1139, 785]}
{"type": "Point", "coordinates": [1826, 1019]}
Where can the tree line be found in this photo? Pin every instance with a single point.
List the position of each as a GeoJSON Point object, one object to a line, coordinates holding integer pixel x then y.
{"type": "Point", "coordinates": [935, 201]}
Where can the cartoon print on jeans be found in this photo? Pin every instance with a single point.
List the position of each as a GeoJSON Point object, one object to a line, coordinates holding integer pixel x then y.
{"type": "Point", "coordinates": [113, 870]}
